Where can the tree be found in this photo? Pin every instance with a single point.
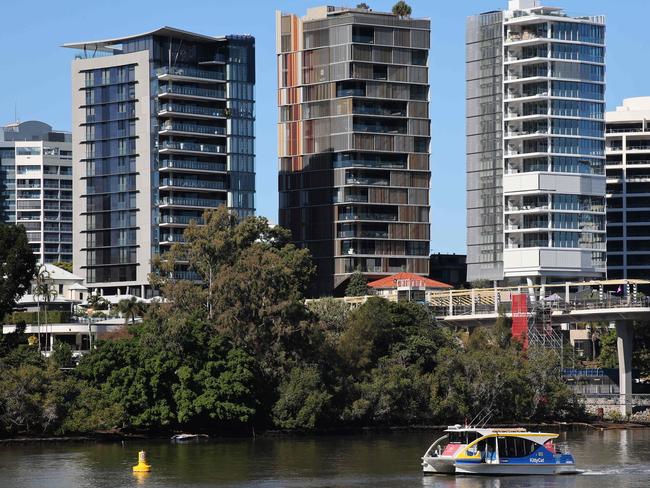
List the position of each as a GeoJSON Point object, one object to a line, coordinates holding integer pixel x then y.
{"type": "Point", "coordinates": [363, 6]}
{"type": "Point", "coordinates": [64, 265]}
{"type": "Point", "coordinates": [172, 373]}
{"type": "Point", "coordinates": [17, 266]}
{"type": "Point", "coordinates": [402, 9]}
{"type": "Point", "coordinates": [252, 283]}
{"type": "Point", "coordinates": [303, 401]}
{"type": "Point", "coordinates": [44, 292]}
{"type": "Point", "coordinates": [332, 314]}
{"type": "Point", "coordinates": [97, 302]}
{"type": "Point", "coordinates": [357, 285]}
{"type": "Point", "coordinates": [130, 308]}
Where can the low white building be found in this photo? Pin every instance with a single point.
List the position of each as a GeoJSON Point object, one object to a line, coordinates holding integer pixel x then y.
{"type": "Point", "coordinates": [78, 332]}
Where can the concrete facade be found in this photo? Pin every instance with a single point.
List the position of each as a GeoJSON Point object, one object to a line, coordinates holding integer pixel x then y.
{"type": "Point", "coordinates": [628, 195]}
{"type": "Point", "coordinates": [36, 187]}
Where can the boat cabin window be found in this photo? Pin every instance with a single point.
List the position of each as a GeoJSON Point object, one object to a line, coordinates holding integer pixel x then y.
{"type": "Point", "coordinates": [516, 447]}
{"type": "Point", "coordinates": [463, 437]}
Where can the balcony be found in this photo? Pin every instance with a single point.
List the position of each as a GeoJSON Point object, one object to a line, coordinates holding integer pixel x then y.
{"type": "Point", "coordinates": [191, 183]}
{"type": "Point", "coordinates": [189, 74]}
{"type": "Point", "coordinates": [190, 93]}
{"type": "Point", "coordinates": [371, 234]}
{"type": "Point", "coordinates": [190, 148]}
{"type": "Point", "coordinates": [379, 128]}
{"type": "Point", "coordinates": [191, 166]}
{"type": "Point", "coordinates": [170, 220]}
{"type": "Point", "coordinates": [190, 202]}
{"type": "Point", "coordinates": [366, 181]}
{"type": "Point", "coordinates": [178, 128]}
{"type": "Point", "coordinates": [190, 111]}
{"type": "Point", "coordinates": [636, 147]}
{"type": "Point", "coordinates": [368, 216]}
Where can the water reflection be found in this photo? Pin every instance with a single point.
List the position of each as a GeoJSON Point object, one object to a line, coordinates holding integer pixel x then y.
{"type": "Point", "coordinates": [611, 458]}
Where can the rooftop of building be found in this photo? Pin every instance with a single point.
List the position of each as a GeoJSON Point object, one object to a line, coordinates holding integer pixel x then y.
{"type": "Point", "coordinates": [32, 130]}
{"type": "Point", "coordinates": [113, 45]}
{"type": "Point", "coordinates": [325, 11]}
{"type": "Point", "coordinates": [632, 107]}
{"type": "Point", "coordinates": [408, 280]}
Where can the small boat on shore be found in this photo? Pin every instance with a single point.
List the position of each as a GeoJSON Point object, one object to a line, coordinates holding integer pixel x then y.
{"type": "Point", "coordinates": [471, 450]}
{"type": "Point", "coordinates": [189, 437]}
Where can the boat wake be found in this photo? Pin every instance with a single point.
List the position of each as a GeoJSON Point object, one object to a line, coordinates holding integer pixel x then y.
{"type": "Point", "coordinates": [627, 470]}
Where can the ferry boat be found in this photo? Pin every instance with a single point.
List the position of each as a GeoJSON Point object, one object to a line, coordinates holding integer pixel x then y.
{"type": "Point", "coordinates": [471, 450]}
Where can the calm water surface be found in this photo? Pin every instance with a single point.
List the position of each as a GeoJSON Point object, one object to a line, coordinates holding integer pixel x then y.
{"type": "Point", "coordinates": [618, 459]}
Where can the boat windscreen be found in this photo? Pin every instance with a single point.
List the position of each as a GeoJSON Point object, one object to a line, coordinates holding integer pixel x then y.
{"type": "Point", "coordinates": [511, 447]}
{"type": "Point", "coordinates": [463, 437]}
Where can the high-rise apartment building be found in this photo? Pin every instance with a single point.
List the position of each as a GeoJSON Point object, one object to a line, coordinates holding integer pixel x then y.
{"type": "Point", "coordinates": [628, 190]}
{"type": "Point", "coordinates": [353, 144]}
{"type": "Point", "coordinates": [36, 187]}
{"type": "Point", "coordinates": [162, 129]}
{"type": "Point", "coordinates": [535, 144]}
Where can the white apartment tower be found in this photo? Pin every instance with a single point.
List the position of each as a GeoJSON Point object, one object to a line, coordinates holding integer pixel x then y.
{"type": "Point", "coordinates": [535, 145]}
{"type": "Point", "coordinates": [36, 187]}
{"type": "Point", "coordinates": [628, 194]}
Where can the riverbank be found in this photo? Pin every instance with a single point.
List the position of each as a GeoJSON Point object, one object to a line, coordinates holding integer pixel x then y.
{"type": "Point", "coordinates": [119, 436]}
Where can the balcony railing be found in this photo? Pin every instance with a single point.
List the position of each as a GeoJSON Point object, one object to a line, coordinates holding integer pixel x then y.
{"type": "Point", "coordinates": [192, 165]}
{"type": "Point", "coordinates": [190, 73]}
{"type": "Point", "coordinates": [191, 202]}
{"type": "Point", "coordinates": [366, 181]}
{"type": "Point", "coordinates": [192, 91]}
{"type": "Point", "coordinates": [180, 219]}
{"type": "Point", "coordinates": [615, 130]}
{"type": "Point", "coordinates": [193, 128]}
{"type": "Point", "coordinates": [367, 216]}
{"type": "Point", "coordinates": [193, 146]}
{"type": "Point", "coordinates": [364, 234]}
{"type": "Point", "coordinates": [188, 183]}
{"type": "Point", "coordinates": [192, 109]}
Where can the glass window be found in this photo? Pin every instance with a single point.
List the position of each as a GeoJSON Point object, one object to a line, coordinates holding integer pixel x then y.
{"type": "Point", "coordinates": [28, 151]}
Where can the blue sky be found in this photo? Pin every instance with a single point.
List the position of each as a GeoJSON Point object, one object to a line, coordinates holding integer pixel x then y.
{"type": "Point", "coordinates": [36, 71]}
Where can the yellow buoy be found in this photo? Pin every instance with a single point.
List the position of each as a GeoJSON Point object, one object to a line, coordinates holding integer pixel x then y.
{"type": "Point", "coordinates": [142, 466]}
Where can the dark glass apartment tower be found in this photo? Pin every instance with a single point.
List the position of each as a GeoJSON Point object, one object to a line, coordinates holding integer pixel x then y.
{"type": "Point", "coordinates": [353, 141]}
{"type": "Point", "coordinates": [162, 130]}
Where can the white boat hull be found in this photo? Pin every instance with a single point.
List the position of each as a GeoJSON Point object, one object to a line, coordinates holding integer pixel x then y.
{"type": "Point", "coordinates": [438, 465]}
{"type": "Point", "coordinates": [514, 469]}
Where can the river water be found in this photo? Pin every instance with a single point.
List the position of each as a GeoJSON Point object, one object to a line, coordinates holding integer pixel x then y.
{"type": "Point", "coordinates": [618, 459]}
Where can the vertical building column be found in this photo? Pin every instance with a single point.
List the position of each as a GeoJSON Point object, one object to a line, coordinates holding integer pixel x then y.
{"type": "Point", "coordinates": [624, 343]}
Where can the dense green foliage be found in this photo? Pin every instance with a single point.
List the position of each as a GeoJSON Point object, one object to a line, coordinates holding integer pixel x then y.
{"type": "Point", "coordinates": [244, 351]}
{"type": "Point", "coordinates": [51, 317]}
{"type": "Point", "coordinates": [357, 285]}
{"type": "Point", "coordinates": [17, 266]}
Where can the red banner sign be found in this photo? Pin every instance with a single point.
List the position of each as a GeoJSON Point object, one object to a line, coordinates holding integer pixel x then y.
{"type": "Point", "coordinates": [520, 318]}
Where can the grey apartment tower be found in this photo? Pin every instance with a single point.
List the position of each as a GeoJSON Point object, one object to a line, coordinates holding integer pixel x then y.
{"type": "Point", "coordinates": [535, 145]}
{"type": "Point", "coordinates": [353, 141]}
{"type": "Point", "coordinates": [162, 129]}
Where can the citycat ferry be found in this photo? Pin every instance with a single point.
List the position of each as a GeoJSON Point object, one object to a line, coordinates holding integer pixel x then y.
{"type": "Point", "coordinates": [470, 450]}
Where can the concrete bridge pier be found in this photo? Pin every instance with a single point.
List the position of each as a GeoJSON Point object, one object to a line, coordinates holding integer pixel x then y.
{"type": "Point", "coordinates": [625, 333]}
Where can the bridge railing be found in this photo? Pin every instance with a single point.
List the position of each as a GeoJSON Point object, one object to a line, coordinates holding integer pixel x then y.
{"type": "Point", "coordinates": [483, 303]}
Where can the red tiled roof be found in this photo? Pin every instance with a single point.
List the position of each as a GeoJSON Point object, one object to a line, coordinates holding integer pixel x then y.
{"type": "Point", "coordinates": [407, 279]}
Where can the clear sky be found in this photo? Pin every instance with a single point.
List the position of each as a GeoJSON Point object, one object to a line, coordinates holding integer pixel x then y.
{"type": "Point", "coordinates": [35, 71]}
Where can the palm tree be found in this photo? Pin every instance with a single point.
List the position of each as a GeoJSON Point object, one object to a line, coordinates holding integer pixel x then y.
{"type": "Point", "coordinates": [130, 308]}
{"type": "Point", "coordinates": [97, 302]}
{"type": "Point", "coordinates": [402, 9]}
{"type": "Point", "coordinates": [44, 289]}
